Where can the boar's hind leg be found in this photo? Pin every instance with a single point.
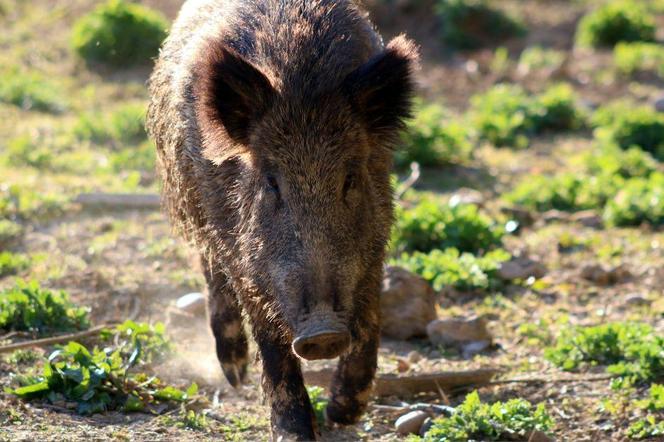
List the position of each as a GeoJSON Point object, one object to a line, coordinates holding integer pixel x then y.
{"type": "Point", "coordinates": [292, 417]}
{"type": "Point", "coordinates": [226, 322]}
{"type": "Point", "coordinates": [353, 379]}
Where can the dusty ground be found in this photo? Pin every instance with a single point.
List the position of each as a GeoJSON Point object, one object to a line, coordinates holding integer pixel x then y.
{"type": "Point", "coordinates": [127, 263]}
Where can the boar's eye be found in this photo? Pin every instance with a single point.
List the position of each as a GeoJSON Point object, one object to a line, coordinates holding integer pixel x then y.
{"type": "Point", "coordinates": [349, 183]}
{"type": "Point", "coordinates": [273, 186]}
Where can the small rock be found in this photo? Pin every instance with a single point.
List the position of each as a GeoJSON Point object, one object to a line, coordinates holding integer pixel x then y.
{"type": "Point", "coordinates": [414, 357]}
{"type": "Point", "coordinates": [538, 436]}
{"type": "Point", "coordinates": [551, 216]}
{"type": "Point", "coordinates": [402, 365]}
{"type": "Point", "coordinates": [435, 354]}
{"type": "Point", "coordinates": [588, 218]}
{"type": "Point", "coordinates": [659, 103]}
{"type": "Point", "coordinates": [637, 301]}
{"type": "Point", "coordinates": [426, 426]}
{"type": "Point", "coordinates": [193, 303]}
{"type": "Point", "coordinates": [472, 348]}
{"type": "Point", "coordinates": [466, 195]}
{"type": "Point", "coordinates": [458, 331]}
{"type": "Point", "coordinates": [521, 268]}
{"type": "Point", "coordinates": [523, 216]}
{"type": "Point", "coordinates": [602, 275]}
{"type": "Point", "coordinates": [407, 304]}
{"type": "Point", "coordinates": [411, 422]}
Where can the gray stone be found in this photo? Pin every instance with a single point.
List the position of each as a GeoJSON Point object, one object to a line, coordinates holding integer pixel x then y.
{"type": "Point", "coordinates": [410, 422]}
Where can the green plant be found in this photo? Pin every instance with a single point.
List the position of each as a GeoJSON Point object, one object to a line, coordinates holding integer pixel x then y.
{"type": "Point", "coordinates": [640, 200]}
{"type": "Point", "coordinates": [655, 399]}
{"type": "Point", "coordinates": [141, 157]}
{"type": "Point", "coordinates": [450, 268]}
{"type": "Point", "coordinates": [628, 349]}
{"type": "Point", "coordinates": [192, 420]}
{"type": "Point", "coordinates": [639, 57]}
{"type": "Point", "coordinates": [19, 357]}
{"type": "Point", "coordinates": [506, 115]}
{"type": "Point", "coordinates": [475, 420]}
{"type": "Point", "coordinates": [318, 402]}
{"type": "Point", "coordinates": [12, 263]}
{"type": "Point", "coordinates": [22, 151]}
{"type": "Point", "coordinates": [140, 341]}
{"type": "Point", "coordinates": [535, 58]}
{"type": "Point", "coordinates": [9, 232]}
{"type": "Point", "coordinates": [646, 428]}
{"type": "Point", "coordinates": [627, 125]}
{"type": "Point", "coordinates": [611, 160]}
{"type": "Point", "coordinates": [616, 21]}
{"type": "Point", "coordinates": [22, 202]}
{"type": "Point", "coordinates": [28, 307]}
{"type": "Point", "coordinates": [29, 91]}
{"type": "Point", "coordinates": [431, 225]}
{"type": "Point", "coordinates": [468, 24]}
{"type": "Point", "coordinates": [125, 124]}
{"type": "Point", "coordinates": [97, 381]}
{"type": "Point", "coordinates": [432, 140]}
{"type": "Point", "coordinates": [119, 33]}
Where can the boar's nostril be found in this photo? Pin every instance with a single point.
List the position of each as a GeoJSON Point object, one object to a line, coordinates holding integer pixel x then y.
{"type": "Point", "coordinates": [322, 345]}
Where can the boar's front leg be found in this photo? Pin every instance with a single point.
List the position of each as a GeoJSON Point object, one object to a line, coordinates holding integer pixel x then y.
{"type": "Point", "coordinates": [292, 417]}
{"type": "Point", "coordinates": [226, 323]}
{"type": "Point", "coordinates": [352, 383]}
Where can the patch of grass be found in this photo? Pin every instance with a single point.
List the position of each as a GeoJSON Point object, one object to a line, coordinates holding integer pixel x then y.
{"type": "Point", "coordinates": [468, 24]}
{"type": "Point", "coordinates": [12, 263]}
{"type": "Point", "coordinates": [646, 428]}
{"type": "Point", "coordinates": [629, 350]}
{"type": "Point", "coordinates": [641, 200]}
{"type": "Point", "coordinates": [627, 125]}
{"type": "Point", "coordinates": [120, 34]}
{"type": "Point", "coordinates": [450, 268]}
{"type": "Point", "coordinates": [20, 202]}
{"type": "Point", "coordinates": [97, 381]}
{"type": "Point", "coordinates": [28, 307]}
{"type": "Point", "coordinates": [630, 58]}
{"type": "Point", "coordinates": [616, 21]}
{"type": "Point", "coordinates": [123, 125]}
{"type": "Point", "coordinates": [318, 402]}
{"type": "Point", "coordinates": [431, 225]}
{"type": "Point", "coordinates": [22, 151]}
{"type": "Point", "coordinates": [140, 341]}
{"type": "Point", "coordinates": [431, 139]}
{"type": "Point", "coordinates": [142, 157]}
{"type": "Point", "coordinates": [193, 421]}
{"type": "Point", "coordinates": [507, 115]}
{"type": "Point", "coordinates": [475, 420]}
{"type": "Point", "coordinates": [655, 399]}
{"type": "Point", "coordinates": [29, 91]}
{"type": "Point", "coordinates": [535, 58]}
{"type": "Point", "coordinates": [611, 160]}
{"type": "Point", "coordinates": [23, 357]}
{"type": "Point", "coordinates": [9, 233]}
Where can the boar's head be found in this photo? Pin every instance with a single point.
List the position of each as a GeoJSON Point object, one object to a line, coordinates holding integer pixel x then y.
{"type": "Point", "coordinates": [301, 187]}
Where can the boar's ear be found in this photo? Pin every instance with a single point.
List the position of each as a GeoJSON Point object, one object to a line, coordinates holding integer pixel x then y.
{"type": "Point", "coordinates": [231, 93]}
{"type": "Point", "coordinates": [381, 90]}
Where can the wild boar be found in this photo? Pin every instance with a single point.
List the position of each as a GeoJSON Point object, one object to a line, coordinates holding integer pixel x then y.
{"type": "Point", "coordinates": [274, 122]}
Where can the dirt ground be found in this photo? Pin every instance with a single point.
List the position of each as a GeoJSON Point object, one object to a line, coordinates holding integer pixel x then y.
{"type": "Point", "coordinates": [128, 264]}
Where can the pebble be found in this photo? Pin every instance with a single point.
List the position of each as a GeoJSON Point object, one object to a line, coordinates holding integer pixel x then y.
{"type": "Point", "coordinates": [414, 356]}
{"type": "Point", "coordinates": [193, 303]}
{"type": "Point", "coordinates": [521, 268]}
{"type": "Point", "coordinates": [410, 423]}
{"type": "Point", "coordinates": [457, 331]}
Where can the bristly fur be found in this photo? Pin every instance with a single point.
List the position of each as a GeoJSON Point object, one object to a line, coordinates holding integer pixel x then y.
{"type": "Point", "coordinates": [274, 122]}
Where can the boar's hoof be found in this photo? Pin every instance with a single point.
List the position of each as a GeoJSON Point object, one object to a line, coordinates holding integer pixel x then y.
{"type": "Point", "coordinates": [322, 345]}
{"type": "Point", "coordinates": [235, 372]}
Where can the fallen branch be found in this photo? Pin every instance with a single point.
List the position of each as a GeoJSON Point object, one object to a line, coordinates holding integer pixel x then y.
{"type": "Point", "coordinates": [146, 201]}
{"type": "Point", "coordinates": [54, 339]}
{"type": "Point", "coordinates": [604, 377]}
{"type": "Point", "coordinates": [408, 385]}
{"type": "Point", "coordinates": [410, 181]}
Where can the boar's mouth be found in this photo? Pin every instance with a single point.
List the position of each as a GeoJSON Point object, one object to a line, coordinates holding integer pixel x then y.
{"type": "Point", "coordinates": [321, 336]}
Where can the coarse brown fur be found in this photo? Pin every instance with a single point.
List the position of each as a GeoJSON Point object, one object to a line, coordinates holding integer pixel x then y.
{"type": "Point", "coordinates": [274, 122]}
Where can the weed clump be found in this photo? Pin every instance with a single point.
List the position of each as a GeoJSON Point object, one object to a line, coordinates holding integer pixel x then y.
{"type": "Point", "coordinates": [29, 91]}
{"type": "Point", "coordinates": [468, 24]}
{"type": "Point", "coordinates": [628, 349]}
{"type": "Point", "coordinates": [318, 402]}
{"type": "Point", "coordinates": [507, 115]}
{"type": "Point", "coordinates": [20, 202]}
{"type": "Point", "coordinates": [616, 21]}
{"type": "Point", "coordinates": [98, 380]}
{"type": "Point", "coordinates": [630, 58]}
{"type": "Point", "coordinates": [640, 200]}
{"type": "Point", "coordinates": [149, 340]}
{"type": "Point", "coordinates": [123, 125]}
{"type": "Point", "coordinates": [28, 307]}
{"type": "Point", "coordinates": [9, 233]}
{"type": "Point", "coordinates": [430, 225]}
{"type": "Point", "coordinates": [120, 34]}
{"type": "Point", "coordinates": [431, 141]}
{"type": "Point", "coordinates": [450, 268]}
{"type": "Point", "coordinates": [475, 420]}
{"type": "Point", "coordinates": [626, 126]}
{"type": "Point", "coordinates": [12, 263]}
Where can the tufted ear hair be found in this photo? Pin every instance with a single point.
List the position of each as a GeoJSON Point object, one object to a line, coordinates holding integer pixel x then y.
{"type": "Point", "coordinates": [381, 90]}
{"type": "Point", "coordinates": [231, 93]}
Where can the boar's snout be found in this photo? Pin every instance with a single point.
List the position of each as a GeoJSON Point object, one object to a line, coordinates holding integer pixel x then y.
{"type": "Point", "coordinates": [321, 337]}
